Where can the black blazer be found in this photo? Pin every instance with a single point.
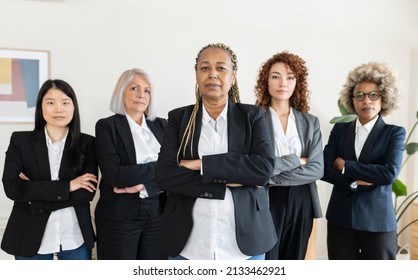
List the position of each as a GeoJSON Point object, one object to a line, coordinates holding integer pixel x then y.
{"type": "Point", "coordinates": [249, 161]}
{"type": "Point", "coordinates": [35, 199]}
{"type": "Point", "coordinates": [370, 208]}
{"type": "Point", "coordinates": [115, 152]}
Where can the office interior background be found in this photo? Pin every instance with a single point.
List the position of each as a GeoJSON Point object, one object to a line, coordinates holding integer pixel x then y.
{"type": "Point", "coordinates": [91, 42]}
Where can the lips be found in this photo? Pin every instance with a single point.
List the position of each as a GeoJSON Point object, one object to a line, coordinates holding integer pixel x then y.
{"type": "Point", "coordinates": [212, 86]}
{"type": "Point", "coordinates": [368, 109]}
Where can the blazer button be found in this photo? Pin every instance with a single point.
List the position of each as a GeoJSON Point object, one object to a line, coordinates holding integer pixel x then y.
{"type": "Point", "coordinates": [59, 197]}
{"type": "Point", "coordinates": [215, 180]}
{"type": "Point", "coordinates": [206, 194]}
{"type": "Point", "coordinates": [224, 181]}
{"type": "Point", "coordinates": [201, 195]}
{"type": "Point", "coordinates": [210, 195]}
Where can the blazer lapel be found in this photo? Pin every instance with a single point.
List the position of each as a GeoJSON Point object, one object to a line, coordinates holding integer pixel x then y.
{"type": "Point", "coordinates": [41, 153]}
{"type": "Point", "coordinates": [236, 125]}
{"type": "Point", "coordinates": [158, 132]}
{"type": "Point", "coordinates": [371, 139]}
{"type": "Point", "coordinates": [270, 124]}
{"type": "Point", "coordinates": [64, 171]}
{"type": "Point", "coordinates": [302, 128]}
{"type": "Point", "coordinates": [122, 127]}
{"type": "Point", "coordinates": [349, 152]}
{"type": "Point", "coordinates": [196, 135]}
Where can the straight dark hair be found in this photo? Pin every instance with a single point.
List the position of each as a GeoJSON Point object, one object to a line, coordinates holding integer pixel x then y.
{"type": "Point", "coordinates": [74, 128]}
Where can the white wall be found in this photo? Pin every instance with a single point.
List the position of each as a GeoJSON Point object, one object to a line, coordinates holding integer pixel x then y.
{"type": "Point", "coordinates": [93, 41]}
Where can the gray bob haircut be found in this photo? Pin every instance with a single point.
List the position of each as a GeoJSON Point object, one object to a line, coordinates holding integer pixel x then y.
{"type": "Point", "coordinates": [378, 73]}
{"type": "Point", "coordinates": [117, 105]}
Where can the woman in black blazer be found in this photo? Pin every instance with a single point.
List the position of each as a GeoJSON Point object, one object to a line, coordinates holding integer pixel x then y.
{"type": "Point", "coordinates": [362, 160]}
{"type": "Point", "coordinates": [50, 174]}
{"type": "Point", "coordinates": [128, 212]}
{"type": "Point", "coordinates": [215, 161]}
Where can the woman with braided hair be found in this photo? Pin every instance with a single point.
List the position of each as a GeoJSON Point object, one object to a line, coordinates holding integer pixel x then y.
{"type": "Point", "coordinates": [214, 163]}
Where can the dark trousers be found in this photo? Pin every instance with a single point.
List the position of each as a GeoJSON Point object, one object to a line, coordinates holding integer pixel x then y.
{"type": "Point", "coordinates": [133, 239]}
{"type": "Point", "coordinates": [351, 244]}
{"type": "Point", "coordinates": [292, 212]}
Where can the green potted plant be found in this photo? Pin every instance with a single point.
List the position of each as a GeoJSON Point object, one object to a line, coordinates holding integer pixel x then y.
{"type": "Point", "coordinates": [399, 189]}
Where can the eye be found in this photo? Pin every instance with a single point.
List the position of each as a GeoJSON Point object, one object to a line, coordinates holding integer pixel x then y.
{"type": "Point", "coordinates": [291, 78]}
{"type": "Point", "coordinates": [204, 68]}
{"type": "Point", "coordinates": [134, 88]}
{"type": "Point", "coordinates": [221, 68]}
{"type": "Point", "coordinates": [147, 91]}
{"type": "Point", "coordinates": [274, 77]}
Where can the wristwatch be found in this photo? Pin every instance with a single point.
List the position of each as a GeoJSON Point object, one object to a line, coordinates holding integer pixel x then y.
{"type": "Point", "coordinates": [353, 185]}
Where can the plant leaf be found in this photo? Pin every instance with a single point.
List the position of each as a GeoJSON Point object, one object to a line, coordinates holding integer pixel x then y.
{"type": "Point", "coordinates": [345, 118]}
{"type": "Point", "coordinates": [399, 188]}
{"type": "Point", "coordinates": [411, 148]}
{"type": "Point", "coordinates": [343, 110]}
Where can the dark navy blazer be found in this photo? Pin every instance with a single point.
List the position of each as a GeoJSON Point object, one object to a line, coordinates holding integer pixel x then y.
{"type": "Point", "coordinates": [369, 208]}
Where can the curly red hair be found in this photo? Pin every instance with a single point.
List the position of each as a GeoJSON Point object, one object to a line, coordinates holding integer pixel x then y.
{"type": "Point", "coordinates": [300, 96]}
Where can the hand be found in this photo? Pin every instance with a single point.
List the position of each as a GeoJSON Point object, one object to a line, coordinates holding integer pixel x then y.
{"type": "Point", "coordinates": [303, 161]}
{"type": "Point", "coordinates": [23, 176]}
{"type": "Point", "coordinates": [192, 164]}
{"type": "Point", "coordinates": [83, 182]}
{"type": "Point", "coordinates": [339, 164]}
{"type": "Point", "coordinates": [133, 189]}
{"type": "Point", "coordinates": [363, 183]}
{"type": "Point", "coordinates": [234, 185]}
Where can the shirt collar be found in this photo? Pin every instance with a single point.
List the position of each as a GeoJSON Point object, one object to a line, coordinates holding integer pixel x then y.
{"type": "Point", "coordinates": [206, 118]}
{"type": "Point", "coordinates": [134, 126]}
{"type": "Point", "coordinates": [368, 126]}
{"type": "Point", "coordinates": [49, 140]}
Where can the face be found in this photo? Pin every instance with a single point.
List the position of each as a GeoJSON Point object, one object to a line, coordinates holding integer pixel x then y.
{"type": "Point", "coordinates": [215, 74]}
{"type": "Point", "coordinates": [57, 108]}
{"type": "Point", "coordinates": [281, 82]}
{"type": "Point", "coordinates": [137, 96]}
{"type": "Point", "coordinates": [367, 109]}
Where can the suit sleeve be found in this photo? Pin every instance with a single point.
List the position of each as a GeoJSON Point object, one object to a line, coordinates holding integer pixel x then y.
{"type": "Point", "coordinates": [36, 189]}
{"type": "Point", "coordinates": [115, 172]}
{"type": "Point", "coordinates": [312, 171]}
{"type": "Point", "coordinates": [250, 167]}
{"type": "Point", "coordinates": [177, 179]}
{"type": "Point", "coordinates": [80, 196]}
{"type": "Point", "coordinates": [333, 150]}
{"type": "Point", "coordinates": [383, 173]}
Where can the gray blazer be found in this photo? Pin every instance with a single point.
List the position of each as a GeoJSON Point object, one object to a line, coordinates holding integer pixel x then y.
{"type": "Point", "coordinates": [287, 169]}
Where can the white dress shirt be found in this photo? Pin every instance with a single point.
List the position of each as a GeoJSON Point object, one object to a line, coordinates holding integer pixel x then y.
{"type": "Point", "coordinates": [146, 145]}
{"type": "Point", "coordinates": [362, 132]}
{"type": "Point", "coordinates": [213, 235]}
{"type": "Point", "coordinates": [289, 142]}
{"type": "Point", "coordinates": [62, 228]}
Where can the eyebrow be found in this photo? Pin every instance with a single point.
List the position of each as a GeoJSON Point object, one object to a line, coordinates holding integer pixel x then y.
{"type": "Point", "coordinates": [275, 72]}
{"type": "Point", "coordinates": [218, 62]}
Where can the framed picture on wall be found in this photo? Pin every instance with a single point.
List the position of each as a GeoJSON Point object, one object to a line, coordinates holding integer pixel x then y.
{"type": "Point", "coordinates": [22, 72]}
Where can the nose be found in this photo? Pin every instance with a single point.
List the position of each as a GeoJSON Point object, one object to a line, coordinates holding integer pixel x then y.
{"type": "Point", "coordinates": [213, 75]}
{"type": "Point", "coordinates": [58, 108]}
{"type": "Point", "coordinates": [282, 82]}
{"type": "Point", "coordinates": [141, 93]}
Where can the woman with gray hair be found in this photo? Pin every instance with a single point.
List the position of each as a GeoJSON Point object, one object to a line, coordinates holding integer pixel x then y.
{"type": "Point", "coordinates": [362, 160]}
{"type": "Point", "coordinates": [128, 213]}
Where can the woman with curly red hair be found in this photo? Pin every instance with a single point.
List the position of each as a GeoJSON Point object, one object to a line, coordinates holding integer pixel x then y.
{"type": "Point", "coordinates": [282, 90]}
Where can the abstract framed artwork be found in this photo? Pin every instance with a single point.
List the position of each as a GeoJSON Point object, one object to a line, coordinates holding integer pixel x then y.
{"type": "Point", "coordinates": [22, 72]}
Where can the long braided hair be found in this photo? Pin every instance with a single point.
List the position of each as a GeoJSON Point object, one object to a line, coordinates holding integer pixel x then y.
{"type": "Point", "coordinates": [233, 94]}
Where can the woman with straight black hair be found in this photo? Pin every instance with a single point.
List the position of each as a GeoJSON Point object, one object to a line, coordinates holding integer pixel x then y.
{"type": "Point", "coordinates": [51, 174]}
